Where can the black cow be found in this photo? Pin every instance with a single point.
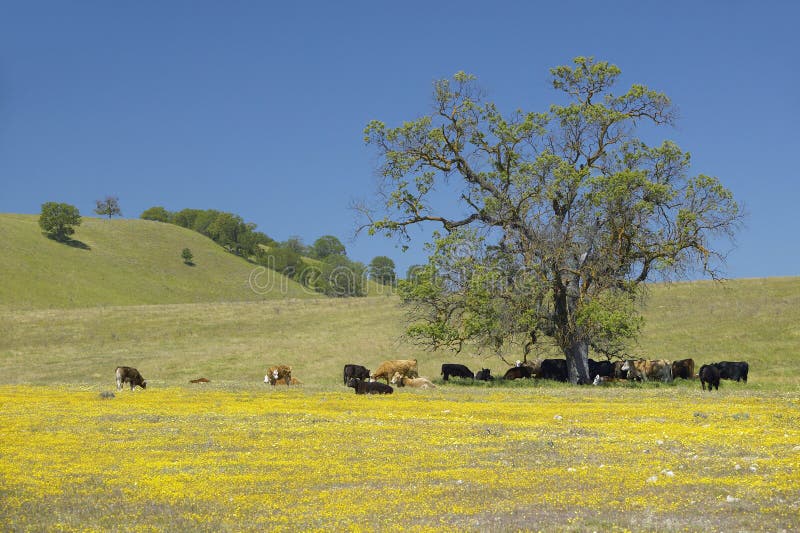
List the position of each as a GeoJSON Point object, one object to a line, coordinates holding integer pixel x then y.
{"type": "Point", "coordinates": [456, 370]}
{"type": "Point", "coordinates": [127, 374]}
{"type": "Point", "coordinates": [555, 369]}
{"type": "Point", "coordinates": [733, 370]}
{"type": "Point", "coordinates": [709, 374]}
{"type": "Point", "coordinates": [604, 369]}
{"type": "Point", "coordinates": [369, 387]}
{"type": "Point", "coordinates": [355, 371]}
{"type": "Point", "coordinates": [518, 372]}
{"type": "Point", "coordinates": [484, 374]}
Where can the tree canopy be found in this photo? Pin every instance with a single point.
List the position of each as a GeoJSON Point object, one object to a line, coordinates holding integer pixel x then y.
{"type": "Point", "coordinates": [108, 207]}
{"type": "Point", "coordinates": [563, 213]}
{"type": "Point", "coordinates": [58, 220]}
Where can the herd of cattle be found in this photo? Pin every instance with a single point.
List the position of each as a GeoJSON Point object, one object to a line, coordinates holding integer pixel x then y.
{"type": "Point", "coordinates": [404, 373]}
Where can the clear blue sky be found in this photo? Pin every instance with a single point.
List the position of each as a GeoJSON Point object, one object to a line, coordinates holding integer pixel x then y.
{"type": "Point", "coordinates": [259, 107]}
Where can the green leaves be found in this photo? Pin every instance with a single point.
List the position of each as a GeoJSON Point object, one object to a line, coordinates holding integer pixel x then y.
{"type": "Point", "coordinates": [58, 220]}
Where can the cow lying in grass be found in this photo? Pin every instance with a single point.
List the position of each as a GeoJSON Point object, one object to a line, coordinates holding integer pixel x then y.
{"type": "Point", "coordinates": [127, 374]}
{"type": "Point", "coordinates": [420, 383]}
{"type": "Point", "coordinates": [369, 387]}
{"type": "Point", "coordinates": [292, 381]}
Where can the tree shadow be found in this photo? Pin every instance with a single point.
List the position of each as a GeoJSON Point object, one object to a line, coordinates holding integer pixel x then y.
{"type": "Point", "coordinates": [189, 263]}
{"type": "Point", "coordinates": [74, 243]}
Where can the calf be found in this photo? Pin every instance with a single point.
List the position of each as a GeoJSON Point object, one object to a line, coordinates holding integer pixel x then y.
{"type": "Point", "coordinates": [355, 371]}
{"type": "Point", "coordinates": [278, 372]}
{"type": "Point", "coordinates": [420, 383]}
{"type": "Point", "coordinates": [369, 387]}
{"type": "Point", "coordinates": [456, 370]}
{"type": "Point", "coordinates": [709, 374]}
{"type": "Point", "coordinates": [518, 372]}
{"type": "Point", "coordinates": [484, 374]}
{"type": "Point", "coordinates": [127, 374]}
{"type": "Point", "coordinates": [683, 369]}
{"type": "Point", "coordinates": [734, 371]}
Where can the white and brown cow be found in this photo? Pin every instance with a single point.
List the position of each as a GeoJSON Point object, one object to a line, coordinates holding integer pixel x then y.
{"type": "Point", "coordinates": [127, 374]}
{"type": "Point", "coordinates": [648, 369]}
{"type": "Point", "coordinates": [278, 373]}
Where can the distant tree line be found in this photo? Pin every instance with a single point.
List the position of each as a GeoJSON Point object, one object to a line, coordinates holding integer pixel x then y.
{"type": "Point", "coordinates": [322, 267]}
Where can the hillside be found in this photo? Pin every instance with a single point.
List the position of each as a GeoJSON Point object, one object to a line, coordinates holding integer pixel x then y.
{"type": "Point", "coordinates": [233, 343]}
{"type": "Point", "coordinates": [122, 262]}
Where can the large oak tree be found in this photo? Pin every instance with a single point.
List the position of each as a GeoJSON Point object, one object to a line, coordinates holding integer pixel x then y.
{"type": "Point", "coordinates": [561, 215]}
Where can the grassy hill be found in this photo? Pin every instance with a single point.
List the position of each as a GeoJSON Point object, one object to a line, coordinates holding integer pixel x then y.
{"type": "Point", "coordinates": [122, 262]}
{"type": "Point", "coordinates": [233, 343]}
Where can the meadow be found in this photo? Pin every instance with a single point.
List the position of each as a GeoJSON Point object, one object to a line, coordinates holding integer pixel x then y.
{"type": "Point", "coordinates": [237, 455]}
{"type": "Point", "coordinates": [218, 458]}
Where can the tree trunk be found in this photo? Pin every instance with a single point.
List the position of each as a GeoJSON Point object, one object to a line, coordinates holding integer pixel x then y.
{"type": "Point", "coordinates": [578, 362]}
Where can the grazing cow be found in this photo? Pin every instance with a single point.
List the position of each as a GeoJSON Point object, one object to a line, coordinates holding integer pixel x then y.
{"type": "Point", "coordinates": [555, 369]}
{"type": "Point", "coordinates": [484, 374]}
{"type": "Point", "coordinates": [683, 369]}
{"type": "Point", "coordinates": [456, 370]}
{"type": "Point", "coordinates": [709, 374]}
{"type": "Point", "coordinates": [421, 383]}
{"type": "Point", "coordinates": [355, 371]}
{"type": "Point", "coordinates": [601, 368]}
{"type": "Point", "coordinates": [734, 371]}
{"type": "Point", "coordinates": [127, 374]}
{"type": "Point", "coordinates": [278, 372]}
{"type": "Point", "coordinates": [518, 372]}
{"type": "Point", "coordinates": [647, 369]}
{"type": "Point", "coordinates": [387, 369]}
{"type": "Point", "coordinates": [369, 387]}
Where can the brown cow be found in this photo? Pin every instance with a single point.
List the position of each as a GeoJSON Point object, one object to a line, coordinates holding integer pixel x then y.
{"type": "Point", "coordinates": [127, 374]}
{"type": "Point", "coordinates": [683, 369]}
{"type": "Point", "coordinates": [278, 372]}
{"type": "Point", "coordinates": [387, 369]}
{"type": "Point", "coordinates": [646, 369]}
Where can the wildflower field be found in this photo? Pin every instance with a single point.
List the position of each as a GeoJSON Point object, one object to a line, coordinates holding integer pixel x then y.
{"type": "Point", "coordinates": [483, 458]}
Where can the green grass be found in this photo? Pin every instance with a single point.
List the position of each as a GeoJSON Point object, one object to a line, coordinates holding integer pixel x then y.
{"type": "Point", "coordinates": [122, 262]}
{"type": "Point", "coordinates": [233, 343]}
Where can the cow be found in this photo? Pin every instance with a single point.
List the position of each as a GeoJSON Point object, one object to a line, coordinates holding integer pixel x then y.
{"type": "Point", "coordinates": [278, 372]}
{"type": "Point", "coordinates": [603, 369]}
{"type": "Point", "coordinates": [292, 381]}
{"type": "Point", "coordinates": [709, 374]}
{"type": "Point", "coordinates": [355, 371]}
{"type": "Point", "coordinates": [127, 374]}
{"type": "Point", "coordinates": [369, 387]}
{"type": "Point", "coordinates": [484, 374]}
{"type": "Point", "coordinates": [518, 372]}
{"type": "Point", "coordinates": [683, 369]}
{"type": "Point", "coordinates": [617, 372]}
{"type": "Point", "coordinates": [603, 380]}
{"type": "Point", "coordinates": [733, 370]}
{"type": "Point", "coordinates": [456, 370]}
{"type": "Point", "coordinates": [387, 369]}
{"type": "Point", "coordinates": [555, 369]}
{"type": "Point", "coordinates": [199, 380]}
{"type": "Point", "coordinates": [421, 383]}
{"type": "Point", "coordinates": [647, 369]}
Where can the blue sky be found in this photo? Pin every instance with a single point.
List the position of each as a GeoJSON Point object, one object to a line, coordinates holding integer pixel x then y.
{"type": "Point", "coordinates": [259, 107]}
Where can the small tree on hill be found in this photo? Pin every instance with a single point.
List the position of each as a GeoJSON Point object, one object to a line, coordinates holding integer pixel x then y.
{"type": "Point", "coordinates": [58, 220]}
{"type": "Point", "coordinates": [187, 256]}
{"type": "Point", "coordinates": [327, 245]}
{"type": "Point", "coordinates": [157, 213]}
{"type": "Point", "coordinates": [108, 207]}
